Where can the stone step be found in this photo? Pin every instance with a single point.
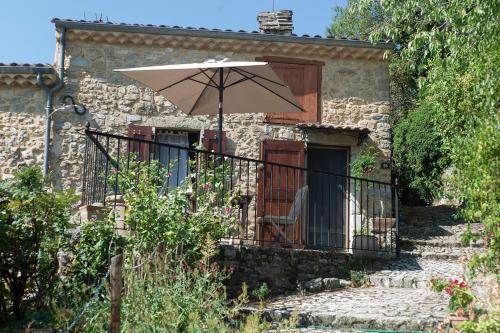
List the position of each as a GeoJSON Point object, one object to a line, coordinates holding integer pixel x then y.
{"type": "Point", "coordinates": [415, 273]}
{"type": "Point", "coordinates": [374, 308]}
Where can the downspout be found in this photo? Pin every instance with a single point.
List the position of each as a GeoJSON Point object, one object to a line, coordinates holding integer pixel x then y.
{"type": "Point", "coordinates": [50, 96]}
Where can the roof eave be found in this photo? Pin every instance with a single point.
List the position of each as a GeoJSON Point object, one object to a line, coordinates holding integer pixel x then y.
{"type": "Point", "coordinates": [26, 70]}
{"type": "Point", "coordinates": [157, 30]}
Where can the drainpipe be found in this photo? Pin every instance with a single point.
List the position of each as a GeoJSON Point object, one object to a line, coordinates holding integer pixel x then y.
{"type": "Point", "coordinates": [50, 96]}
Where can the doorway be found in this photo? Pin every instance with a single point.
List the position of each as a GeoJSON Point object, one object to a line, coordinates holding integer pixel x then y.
{"type": "Point", "coordinates": [327, 209]}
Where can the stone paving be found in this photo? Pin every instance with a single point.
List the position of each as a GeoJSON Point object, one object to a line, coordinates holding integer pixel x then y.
{"type": "Point", "coordinates": [399, 297]}
{"type": "Point", "coordinates": [383, 308]}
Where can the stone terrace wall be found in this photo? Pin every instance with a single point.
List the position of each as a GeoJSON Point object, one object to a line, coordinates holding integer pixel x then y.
{"type": "Point", "coordinates": [281, 269]}
{"type": "Point", "coordinates": [22, 117]}
{"type": "Point", "coordinates": [354, 92]}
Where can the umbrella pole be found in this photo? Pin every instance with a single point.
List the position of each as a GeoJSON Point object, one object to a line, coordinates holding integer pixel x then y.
{"type": "Point", "coordinates": [221, 99]}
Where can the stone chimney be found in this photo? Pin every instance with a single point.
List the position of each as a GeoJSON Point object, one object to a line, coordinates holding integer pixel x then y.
{"type": "Point", "coordinates": [277, 22]}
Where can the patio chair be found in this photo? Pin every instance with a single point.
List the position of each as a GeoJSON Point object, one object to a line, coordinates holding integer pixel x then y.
{"type": "Point", "coordinates": [297, 211]}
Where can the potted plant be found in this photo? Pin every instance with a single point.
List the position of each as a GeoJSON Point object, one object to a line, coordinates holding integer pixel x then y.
{"type": "Point", "coordinates": [460, 299]}
{"type": "Point", "coordinates": [364, 242]}
{"type": "Point", "coordinates": [382, 223]}
{"type": "Point", "coordinates": [364, 164]}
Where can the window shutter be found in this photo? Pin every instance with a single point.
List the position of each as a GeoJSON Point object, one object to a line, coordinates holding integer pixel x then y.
{"type": "Point", "coordinates": [142, 149]}
{"type": "Point", "coordinates": [304, 81]}
{"type": "Point", "coordinates": [209, 140]}
{"type": "Point", "coordinates": [277, 188]}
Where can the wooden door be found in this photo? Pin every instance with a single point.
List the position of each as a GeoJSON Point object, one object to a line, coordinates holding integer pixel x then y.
{"type": "Point", "coordinates": [327, 209]}
{"type": "Point", "coordinates": [278, 186]}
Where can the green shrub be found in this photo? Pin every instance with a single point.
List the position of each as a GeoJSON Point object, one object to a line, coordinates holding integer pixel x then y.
{"type": "Point", "coordinates": [33, 227]}
{"type": "Point", "coordinates": [419, 154]}
{"type": "Point", "coordinates": [262, 292]}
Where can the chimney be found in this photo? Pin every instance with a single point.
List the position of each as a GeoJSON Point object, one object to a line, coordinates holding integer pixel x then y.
{"type": "Point", "coordinates": [277, 22]}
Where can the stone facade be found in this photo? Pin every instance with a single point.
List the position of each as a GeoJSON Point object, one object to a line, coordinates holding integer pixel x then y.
{"type": "Point", "coordinates": [22, 118]}
{"type": "Point", "coordinates": [354, 91]}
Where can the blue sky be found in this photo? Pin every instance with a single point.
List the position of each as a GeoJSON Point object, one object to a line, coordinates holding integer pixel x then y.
{"type": "Point", "coordinates": [27, 35]}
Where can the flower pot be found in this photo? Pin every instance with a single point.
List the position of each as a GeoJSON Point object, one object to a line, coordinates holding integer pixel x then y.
{"type": "Point", "coordinates": [383, 224]}
{"type": "Point", "coordinates": [364, 244]}
{"type": "Point", "coordinates": [456, 320]}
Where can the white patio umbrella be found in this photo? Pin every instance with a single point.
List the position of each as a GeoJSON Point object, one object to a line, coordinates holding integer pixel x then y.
{"type": "Point", "coordinates": [211, 88]}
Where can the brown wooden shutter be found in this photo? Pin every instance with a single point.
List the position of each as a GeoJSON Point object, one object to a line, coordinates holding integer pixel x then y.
{"type": "Point", "coordinates": [142, 149]}
{"type": "Point", "coordinates": [209, 141]}
{"type": "Point", "coordinates": [304, 80]}
{"type": "Point", "coordinates": [277, 188]}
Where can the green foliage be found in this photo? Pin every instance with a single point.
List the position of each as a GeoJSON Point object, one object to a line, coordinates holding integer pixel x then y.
{"type": "Point", "coordinates": [365, 162]}
{"type": "Point", "coordinates": [359, 279]}
{"type": "Point", "coordinates": [33, 224]}
{"type": "Point", "coordinates": [348, 21]}
{"type": "Point", "coordinates": [164, 295]}
{"type": "Point", "coordinates": [417, 152]}
{"type": "Point", "coordinates": [363, 231]}
{"type": "Point", "coordinates": [262, 292]}
{"type": "Point", "coordinates": [453, 49]}
{"type": "Point", "coordinates": [157, 214]}
{"type": "Point", "coordinates": [96, 245]}
{"type": "Point", "coordinates": [484, 324]}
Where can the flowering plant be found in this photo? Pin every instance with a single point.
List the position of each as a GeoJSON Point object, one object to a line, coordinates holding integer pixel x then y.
{"type": "Point", "coordinates": [459, 292]}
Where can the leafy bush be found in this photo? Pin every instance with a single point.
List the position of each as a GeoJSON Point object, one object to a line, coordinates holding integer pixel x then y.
{"type": "Point", "coordinates": [92, 253]}
{"type": "Point", "coordinates": [33, 227]}
{"type": "Point", "coordinates": [168, 297]}
{"type": "Point", "coordinates": [182, 218]}
{"type": "Point", "coordinates": [418, 153]}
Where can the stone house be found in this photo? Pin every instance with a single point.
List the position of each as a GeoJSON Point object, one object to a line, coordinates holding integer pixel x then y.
{"type": "Point", "coordinates": [343, 84]}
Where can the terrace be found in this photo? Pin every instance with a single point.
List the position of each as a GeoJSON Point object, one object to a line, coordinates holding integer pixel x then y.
{"type": "Point", "coordinates": [278, 205]}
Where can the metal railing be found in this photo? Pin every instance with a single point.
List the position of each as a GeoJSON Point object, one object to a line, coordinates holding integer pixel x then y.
{"type": "Point", "coordinates": [278, 205]}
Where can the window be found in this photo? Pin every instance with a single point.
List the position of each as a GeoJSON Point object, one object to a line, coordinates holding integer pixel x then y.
{"type": "Point", "coordinates": [304, 79]}
{"type": "Point", "coordinates": [175, 160]}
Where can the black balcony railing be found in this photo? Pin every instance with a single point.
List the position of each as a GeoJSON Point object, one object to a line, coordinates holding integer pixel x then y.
{"type": "Point", "coordinates": [278, 205]}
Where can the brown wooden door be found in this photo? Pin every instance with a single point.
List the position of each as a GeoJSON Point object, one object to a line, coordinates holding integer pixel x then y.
{"type": "Point", "coordinates": [304, 81]}
{"type": "Point", "coordinates": [278, 186]}
{"type": "Point", "coordinates": [143, 150]}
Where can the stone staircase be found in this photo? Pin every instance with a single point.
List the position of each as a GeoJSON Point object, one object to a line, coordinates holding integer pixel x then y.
{"type": "Point", "coordinates": [398, 297]}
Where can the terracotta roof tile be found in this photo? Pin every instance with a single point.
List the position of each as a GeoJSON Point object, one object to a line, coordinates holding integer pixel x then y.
{"type": "Point", "coordinates": [345, 38]}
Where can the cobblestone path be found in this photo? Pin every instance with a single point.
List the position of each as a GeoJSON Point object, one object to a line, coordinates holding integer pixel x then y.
{"type": "Point", "coordinates": [399, 297]}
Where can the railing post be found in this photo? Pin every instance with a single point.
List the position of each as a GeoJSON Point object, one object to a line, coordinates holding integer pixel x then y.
{"type": "Point", "coordinates": [115, 277]}
{"type": "Point", "coordinates": [396, 199]}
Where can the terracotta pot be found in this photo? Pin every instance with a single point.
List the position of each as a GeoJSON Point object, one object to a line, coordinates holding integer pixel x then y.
{"type": "Point", "coordinates": [382, 224]}
{"type": "Point", "coordinates": [364, 244]}
{"type": "Point", "coordinates": [456, 320]}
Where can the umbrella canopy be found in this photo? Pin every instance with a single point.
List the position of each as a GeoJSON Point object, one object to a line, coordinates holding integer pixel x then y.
{"type": "Point", "coordinates": [212, 88]}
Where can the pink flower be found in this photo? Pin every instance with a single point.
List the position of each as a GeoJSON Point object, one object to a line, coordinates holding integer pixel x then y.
{"type": "Point", "coordinates": [168, 174]}
{"type": "Point", "coordinates": [228, 210]}
{"type": "Point", "coordinates": [238, 221]}
{"type": "Point", "coordinates": [206, 186]}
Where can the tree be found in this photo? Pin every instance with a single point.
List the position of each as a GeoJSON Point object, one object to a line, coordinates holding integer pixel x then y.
{"type": "Point", "coordinates": [354, 20]}
{"type": "Point", "coordinates": [453, 46]}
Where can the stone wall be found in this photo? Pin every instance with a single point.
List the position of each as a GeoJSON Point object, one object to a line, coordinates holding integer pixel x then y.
{"type": "Point", "coordinates": [22, 116]}
{"type": "Point", "coordinates": [354, 91]}
{"type": "Point", "coordinates": [283, 270]}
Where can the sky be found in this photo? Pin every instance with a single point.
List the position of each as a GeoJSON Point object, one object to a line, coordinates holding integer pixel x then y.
{"type": "Point", "coordinates": [27, 35]}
